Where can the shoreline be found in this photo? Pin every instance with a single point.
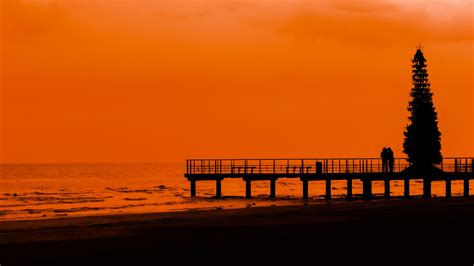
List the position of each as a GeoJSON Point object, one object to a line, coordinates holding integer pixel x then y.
{"type": "Point", "coordinates": [438, 226]}
{"type": "Point", "coordinates": [11, 226]}
{"type": "Point", "coordinates": [241, 202]}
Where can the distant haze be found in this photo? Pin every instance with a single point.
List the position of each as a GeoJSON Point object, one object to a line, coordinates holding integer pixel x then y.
{"type": "Point", "coordinates": [161, 81]}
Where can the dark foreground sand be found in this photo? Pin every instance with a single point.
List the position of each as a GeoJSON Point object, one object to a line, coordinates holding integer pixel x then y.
{"type": "Point", "coordinates": [382, 232]}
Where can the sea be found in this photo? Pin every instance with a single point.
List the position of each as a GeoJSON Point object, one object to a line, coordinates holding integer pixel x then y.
{"type": "Point", "coordinates": [43, 191]}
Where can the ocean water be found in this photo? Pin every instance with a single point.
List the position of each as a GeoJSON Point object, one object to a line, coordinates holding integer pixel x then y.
{"type": "Point", "coordinates": [41, 191]}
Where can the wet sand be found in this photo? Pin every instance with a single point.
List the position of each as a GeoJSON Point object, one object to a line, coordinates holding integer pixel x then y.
{"type": "Point", "coordinates": [381, 232]}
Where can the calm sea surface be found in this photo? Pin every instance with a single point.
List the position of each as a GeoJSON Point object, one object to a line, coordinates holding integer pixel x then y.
{"type": "Point", "coordinates": [33, 191]}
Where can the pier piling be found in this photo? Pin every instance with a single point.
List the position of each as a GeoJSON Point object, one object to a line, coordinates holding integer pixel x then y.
{"type": "Point", "coordinates": [218, 188]}
{"type": "Point", "coordinates": [248, 188]}
{"type": "Point", "coordinates": [427, 187]}
{"type": "Point", "coordinates": [387, 187]}
{"type": "Point", "coordinates": [448, 187]}
{"type": "Point", "coordinates": [272, 188]}
{"type": "Point", "coordinates": [305, 188]}
{"type": "Point", "coordinates": [466, 187]}
{"type": "Point", "coordinates": [406, 187]}
{"type": "Point", "coordinates": [349, 188]}
{"type": "Point", "coordinates": [193, 188]}
{"type": "Point", "coordinates": [328, 189]}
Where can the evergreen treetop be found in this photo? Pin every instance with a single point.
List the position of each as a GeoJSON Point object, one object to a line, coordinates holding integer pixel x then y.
{"type": "Point", "coordinates": [422, 137]}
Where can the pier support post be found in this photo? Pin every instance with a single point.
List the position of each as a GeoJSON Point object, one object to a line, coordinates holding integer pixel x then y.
{"type": "Point", "coordinates": [366, 188]}
{"type": "Point", "coordinates": [466, 186]}
{"type": "Point", "coordinates": [248, 188]}
{"type": "Point", "coordinates": [193, 188]}
{"type": "Point", "coordinates": [448, 187]}
{"type": "Point", "coordinates": [387, 187]}
{"type": "Point", "coordinates": [328, 189]}
{"type": "Point", "coordinates": [305, 188]}
{"type": "Point", "coordinates": [406, 185]}
{"type": "Point", "coordinates": [272, 188]}
{"type": "Point", "coordinates": [349, 188]}
{"type": "Point", "coordinates": [218, 188]}
{"type": "Point", "coordinates": [426, 187]}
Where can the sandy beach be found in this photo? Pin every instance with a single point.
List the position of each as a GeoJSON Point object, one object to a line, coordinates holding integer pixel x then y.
{"type": "Point", "coordinates": [393, 232]}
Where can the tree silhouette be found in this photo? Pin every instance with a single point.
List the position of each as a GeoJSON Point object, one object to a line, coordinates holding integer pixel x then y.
{"type": "Point", "coordinates": [422, 137]}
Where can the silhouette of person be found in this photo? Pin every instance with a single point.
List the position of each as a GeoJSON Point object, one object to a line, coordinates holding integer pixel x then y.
{"type": "Point", "coordinates": [391, 159]}
{"type": "Point", "coordinates": [384, 157]}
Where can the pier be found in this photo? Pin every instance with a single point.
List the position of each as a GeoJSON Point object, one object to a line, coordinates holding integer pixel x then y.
{"type": "Point", "coordinates": [366, 170]}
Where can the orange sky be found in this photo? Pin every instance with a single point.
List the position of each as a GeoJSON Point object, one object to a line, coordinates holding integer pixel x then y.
{"type": "Point", "coordinates": [161, 81]}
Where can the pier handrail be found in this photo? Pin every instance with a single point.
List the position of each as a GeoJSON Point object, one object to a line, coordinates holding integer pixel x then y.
{"type": "Point", "coordinates": [313, 165]}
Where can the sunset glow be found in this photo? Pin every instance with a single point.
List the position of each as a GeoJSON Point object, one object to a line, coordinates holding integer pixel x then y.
{"type": "Point", "coordinates": [161, 81]}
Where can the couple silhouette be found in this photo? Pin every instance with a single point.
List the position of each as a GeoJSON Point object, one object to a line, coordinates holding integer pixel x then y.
{"type": "Point", "coordinates": [387, 160]}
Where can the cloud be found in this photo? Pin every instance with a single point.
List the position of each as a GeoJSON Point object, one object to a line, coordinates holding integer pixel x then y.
{"type": "Point", "coordinates": [364, 22]}
{"type": "Point", "coordinates": [363, 6]}
{"type": "Point", "coordinates": [371, 23]}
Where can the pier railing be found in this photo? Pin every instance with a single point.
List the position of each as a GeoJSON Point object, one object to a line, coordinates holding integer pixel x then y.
{"type": "Point", "coordinates": [313, 166]}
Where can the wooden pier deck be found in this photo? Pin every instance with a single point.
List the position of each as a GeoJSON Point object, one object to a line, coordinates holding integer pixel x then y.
{"type": "Point", "coordinates": [327, 169]}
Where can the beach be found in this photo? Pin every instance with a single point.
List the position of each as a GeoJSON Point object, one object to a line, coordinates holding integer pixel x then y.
{"type": "Point", "coordinates": [380, 232]}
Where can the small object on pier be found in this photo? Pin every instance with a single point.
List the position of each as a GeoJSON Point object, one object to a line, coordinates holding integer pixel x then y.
{"type": "Point", "coordinates": [319, 167]}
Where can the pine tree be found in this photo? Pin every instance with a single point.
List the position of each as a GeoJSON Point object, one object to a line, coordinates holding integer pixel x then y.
{"type": "Point", "coordinates": [422, 137]}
